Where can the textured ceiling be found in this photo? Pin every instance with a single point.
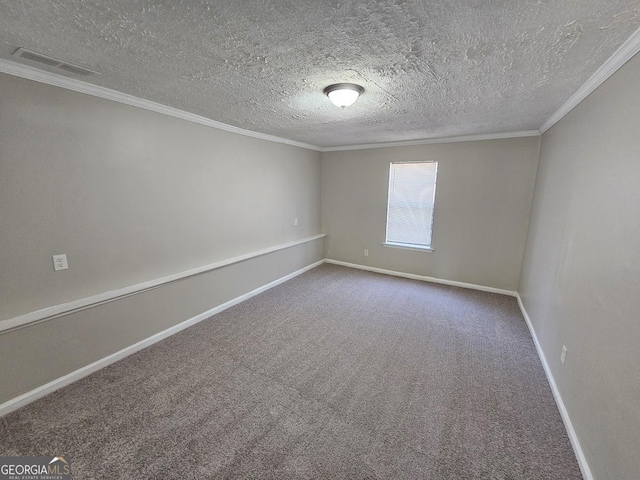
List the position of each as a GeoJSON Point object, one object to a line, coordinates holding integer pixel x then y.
{"type": "Point", "coordinates": [430, 68]}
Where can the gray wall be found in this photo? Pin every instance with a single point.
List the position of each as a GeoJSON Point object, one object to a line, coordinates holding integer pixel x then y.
{"type": "Point", "coordinates": [483, 198]}
{"type": "Point", "coordinates": [40, 353]}
{"type": "Point", "coordinates": [131, 196]}
{"type": "Point", "coordinates": [581, 274]}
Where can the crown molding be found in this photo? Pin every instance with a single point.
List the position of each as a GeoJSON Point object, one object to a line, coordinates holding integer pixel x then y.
{"type": "Point", "coordinates": [429, 141]}
{"type": "Point", "coordinates": [42, 76]}
{"type": "Point", "coordinates": [49, 78]}
{"type": "Point", "coordinates": [621, 56]}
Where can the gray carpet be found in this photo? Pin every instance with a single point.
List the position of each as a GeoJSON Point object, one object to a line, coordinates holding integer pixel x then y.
{"type": "Point", "coordinates": [338, 373]}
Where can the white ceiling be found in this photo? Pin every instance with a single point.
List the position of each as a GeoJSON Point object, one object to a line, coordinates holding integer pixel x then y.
{"type": "Point", "coordinates": [431, 69]}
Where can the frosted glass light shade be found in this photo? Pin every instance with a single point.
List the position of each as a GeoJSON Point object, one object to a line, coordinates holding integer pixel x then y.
{"type": "Point", "coordinates": [343, 94]}
{"type": "Point", "coordinates": [343, 98]}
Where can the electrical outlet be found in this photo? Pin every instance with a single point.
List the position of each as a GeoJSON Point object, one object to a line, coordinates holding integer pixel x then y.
{"type": "Point", "coordinates": [366, 252]}
{"type": "Point", "coordinates": [563, 355]}
{"type": "Point", "coordinates": [60, 262]}
{"type": "Point", "coordinates": [295, 222]}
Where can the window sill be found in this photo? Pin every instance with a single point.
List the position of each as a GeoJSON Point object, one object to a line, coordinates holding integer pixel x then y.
{"type": "Point", "coordinates": [408, 246]}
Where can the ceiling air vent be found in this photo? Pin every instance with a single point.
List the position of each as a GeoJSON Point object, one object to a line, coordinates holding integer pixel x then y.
{"type": "Point", "coordinates": [52, 62]}
{"type": "Point", "coordinates": [77, 70]}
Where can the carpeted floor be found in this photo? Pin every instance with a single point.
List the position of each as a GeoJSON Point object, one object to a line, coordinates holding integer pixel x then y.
{"type": "Point", "coordinates": [338, 373]}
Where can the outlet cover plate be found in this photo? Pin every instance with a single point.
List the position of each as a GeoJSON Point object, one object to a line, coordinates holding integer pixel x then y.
{"type": "Point", "coordinates": [60, 262]}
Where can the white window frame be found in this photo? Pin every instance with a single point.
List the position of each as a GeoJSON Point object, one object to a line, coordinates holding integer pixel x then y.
{"type": "Point", "coordinates": [411, 246]}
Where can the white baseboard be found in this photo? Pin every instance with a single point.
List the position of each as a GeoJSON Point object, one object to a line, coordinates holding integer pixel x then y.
{"type": "Point", "coordinates": [575, 443]}
{"type": "Point", "coordinates": [423, 278]}
{"type": "Point", "coordinates": [39, 392]}
{"type": "Point", "coordinates": [33, 395]}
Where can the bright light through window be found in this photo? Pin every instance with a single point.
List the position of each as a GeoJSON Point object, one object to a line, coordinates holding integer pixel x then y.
{"type": "Point", "coordinates": [412, 193]}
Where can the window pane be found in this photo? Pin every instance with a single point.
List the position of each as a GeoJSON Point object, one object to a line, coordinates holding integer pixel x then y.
{"type": "Point", "coordinates": [410, 205]}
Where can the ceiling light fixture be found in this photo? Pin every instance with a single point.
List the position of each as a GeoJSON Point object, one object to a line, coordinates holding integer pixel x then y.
{"type": "Point", "coordinates": [343, 94]}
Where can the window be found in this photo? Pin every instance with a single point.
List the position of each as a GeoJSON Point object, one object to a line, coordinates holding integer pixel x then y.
{"type": "Point", "coordinates": [412, 194]}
